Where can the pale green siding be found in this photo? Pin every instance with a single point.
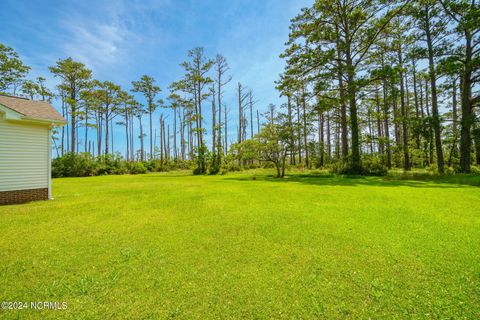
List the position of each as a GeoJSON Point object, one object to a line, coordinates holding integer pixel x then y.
{"type": "Point", "coordinates": [24, 155]}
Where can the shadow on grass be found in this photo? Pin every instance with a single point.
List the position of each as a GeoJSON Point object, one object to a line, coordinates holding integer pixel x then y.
{"type": "Point", "coordinates": [167, 175]}
{"type": "Point", "coordinates": [407, 180]}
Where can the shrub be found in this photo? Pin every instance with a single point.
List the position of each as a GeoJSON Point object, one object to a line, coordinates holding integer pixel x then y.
{"type": "Point", "coordinates": [84, 164]}
{"type": "Point", "coordinates": [74, 165]}
{"type": "Point", "coordinates": [449, 171]}
{"type": "Point", "coordinates": [111, 164]}
{"type": "Point", "coordinates": [230, 164]}
{"type": "Point", "coordinates": [138, 168]}
{"type": "Point", "coordinates": [475, 170]}
{"type": "Point", "coordinates": [215, 163]}
{"type": "Point", "coordinates": [371, 166]}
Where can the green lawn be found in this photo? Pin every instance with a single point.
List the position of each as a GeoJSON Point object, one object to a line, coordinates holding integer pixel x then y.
{"type": "Point", "coordinates": [180, 246]}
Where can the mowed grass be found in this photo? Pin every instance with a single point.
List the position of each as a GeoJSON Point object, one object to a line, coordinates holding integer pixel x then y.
{"type": "Point", "coordinates": [207, 247]}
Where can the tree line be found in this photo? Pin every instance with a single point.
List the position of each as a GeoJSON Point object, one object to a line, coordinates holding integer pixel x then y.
{"type": "Point", "coordinates": [367, 80]}
{"type": "Point", "coordinates": [93, 108]}
{"type": "Point", "coordinates": [368, 86]}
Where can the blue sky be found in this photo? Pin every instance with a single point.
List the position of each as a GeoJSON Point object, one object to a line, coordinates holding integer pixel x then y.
{"type": "Point", "coordinates": [122, 40]}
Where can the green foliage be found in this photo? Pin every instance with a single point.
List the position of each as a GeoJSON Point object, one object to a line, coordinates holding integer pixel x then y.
{"type": "Point", "coordinates": [242, 152]}
{"type": "Point", "coordinates": [371, 166]}
{"type": "Point", "coordinates": [476, 170]}
{"type": "Point", "coordinates": [230, 163]}
{"type": "Point", "coordinates": [137, 168]}
{"type": "Point", "coordinates": [36, 89]}
{"type": "Point", "coordinates": [215, 163]}
{"type": "Point", "coordinates": [75, 76]}
{"type": "Point", "coordinates": [74, 165]}
{"type": "Point", "coordinates": [146, 86]}
{"type": "Point", "coordinates": [12, 69]}
{"type": "Point", "coordinates": [111, 164]}
{"type": "Point", "coordinates": [30, 88]}
{"type": "Point", "coordinates": [201, 160]}
{"type": "Point", "coordinates": [84, 164]}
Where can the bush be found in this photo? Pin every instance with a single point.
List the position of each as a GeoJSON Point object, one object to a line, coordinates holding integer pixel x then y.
{"type": "Point", "coordinates": [432, 168]}
{"type": "Point", "coordinates": [475, 170]}
{"type": "Point", "coordinates": [111, 164]}
{"type": "Point", "coordinates": [230, 164]}
{"type": "Point", "coordinates": [215, 163]}
{"type": "Point", "coordinates": [138, 168]}
{"type": "Point", "coordinates": [84, 164]}
{"type": "Point", "coordinates": [371, 166]}
{"type": "Point", "coordinates": [449, 171]}
{"type": "Point", "coordinates": [74, 165]}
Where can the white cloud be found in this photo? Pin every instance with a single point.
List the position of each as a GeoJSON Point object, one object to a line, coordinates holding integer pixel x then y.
{"type": "Point", "coordinates": [95, 44]}
{"type": "Point", "coordinates": [110, 36]}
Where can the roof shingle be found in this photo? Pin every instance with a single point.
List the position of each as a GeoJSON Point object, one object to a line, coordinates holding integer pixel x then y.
{"type": "Point", "coordinates": [35, 109]}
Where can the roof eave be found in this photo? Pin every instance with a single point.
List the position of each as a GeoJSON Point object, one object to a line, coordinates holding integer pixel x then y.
{"type": "Point", "coordinates": [53, 122]}
{"type": "Point", "coordinates": [11, 114]}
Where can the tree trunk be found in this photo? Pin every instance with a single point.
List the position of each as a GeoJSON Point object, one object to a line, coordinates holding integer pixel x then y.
{"type": "Point", "coordinates": [167, 153]}
{"type": "Point", "coordinates": [396, 120]}
{"type": "Point", "coordinates": [225, 116]}
{"type": "Point", "coordinates": [190, 140]}
{"type": "Point", "coordinates": [258, 122]}
{"type": "Point", "coordinates": [370, 128]}
{"type": "Point", "coordinates": [73, 119]}
{"type": "Point", "coordinates": [126, 137]}
{"type": "Point", "coordinates": [343, 107]}
{"type": "Point", "coordinates": [430, 129]}
{"type": "Point", "coordinates": [107, 131]}
{"type": "Point", "coordinates": [150, 120]}
{"type": "Point", "coordinates": [132, 140]}
{"type": "Point", "coordinates": [200, 119]}
{"type": "Point", "coordinates": [476, 135]}
{"type": "Point", "coordinates": [351, 90]}
{"type": "Point", "coordinates": [415, 95]}
{"type": "Point", "coordinates": [379, 123]}
{"type": "Point", "coordinates": [433, 85]}
{"type": "Point", "coordinates": [240, 111]}
{"type": "Point", "coordinates": [86, 129]}
{"type": "Point", "coordinates": [99, 135]}
{"type": "Point", "coordinates": [290, 124]}
{"type": "Point", "coordinates": [299, 132]}
{"type": "Point", "coordinates": [197, 116]}
{"type": "Point", "coordinates": [142, 150]}
{"type": "Point", "coordinates": [337, 136]}
{"type": "Point", "coordinates": [454, 149]}
{"type": "Point", "coordinates": [321, 141]}
{"type": "Point", "coordinates": [468, 117]}
{"type": "Point", "coordinates": [112, 136]}
{"type": "Point", "coordinates": [283, 164]}
{"type": "Point", "coordinates": [305, 130]}
{"type": "Point", "coordinates": [161, 140]}
{"type": "Point", "coordinates": [278, 167]}
{"type": "Point", "coordinates": [214, 129]}
{"type": "Point", "coordinates": [219, 126]}
{"type": "Point", "coordinates": [406, 155]}
{"type": "Point", "coordinates": [251, 113]}
{"type": "Point", "coordinates": [164, 135]}
{"type": "Point", "coordinates": [182, 133]}
{"type": "Point", "coordinates": [63, 127]}
{"type": "Point", "coordinates": [175, 133]}
{"type": "Point", "coordinates": [386, 125]}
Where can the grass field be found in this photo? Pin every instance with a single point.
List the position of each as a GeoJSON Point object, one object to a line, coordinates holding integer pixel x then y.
{"type": "Point", "coordinates": [180, 246]}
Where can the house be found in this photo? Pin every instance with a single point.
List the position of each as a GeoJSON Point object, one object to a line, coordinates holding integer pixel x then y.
{"type": "Point", "coordinates": [25, 149]}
